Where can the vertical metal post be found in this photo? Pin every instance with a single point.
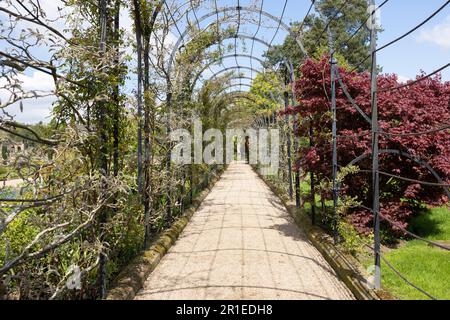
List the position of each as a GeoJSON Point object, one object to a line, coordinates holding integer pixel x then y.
{"type": "Point", "coordinates": [296, 142]}
{"type": "Point", "coordinates": [313, 182]}
{"type": "Point", "coordinates": [103, 160]}
{"type": "Point", "coordinates": [138, 27]}
{"type": "Point", "coordinates": [334, 138]}
{"type": "Point", "coordinates": [297, 190]}
{"type": "Point", "coordinates": [289, 151]}
{"type": "Point", "coordinates": [375, 149]}
{"type": "Point", "coordinates": [297, 172]}
{"type": "Point", "coordinates": [169, 164]}
{"type": "Point", "coordinates": [335, 165]}
{"type": "Point", "coordinates": [279, 126]}
{"type": "Point", "coordinates": [191, 183]}
{"type": "Point", "coordinates": [182, 191]}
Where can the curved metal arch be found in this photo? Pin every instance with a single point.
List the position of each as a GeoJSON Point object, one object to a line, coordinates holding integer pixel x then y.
{"type": "Point", "coordinates": [407, 155]}
{"type": "Point", "coordinates": [241, 77]}
{"type": "Point", "coordinates": [229, 56]}
{"type": "Point", "coordinates": [246, 85]}
{"type": "Point", "coordinates": [244, 78]}
{"type": "Point", "coordinates": [247, 95]}
{"type": "Point", "coordinates": [237, 84]}
{"type": "Point", "coordinates": [229, 69]}
{"type": "Point", "coordinates": [242, 55]}
{"type": "Point", "coordinates": [286, 61]}
{"type": "Point", "coordinates": [239, 94]}
{"type": "Point", "coordinates": [215, 75]}
{"type": "Point", "coordinates": [216, 12]}
{"type": "Point", "coordinates": [227, 9]}
{"type": "Point", "coordinates": [234, 68]}
{"type": "Point", "coordinates": [222, 93]}
{"type": "Point", "coordinates": [243, 84]}
{"type": "Point", "coordinates": [283, 25]}
{"type": "Point", "coordinates": [240, 8]}
{"type": "Point", "coordinates": [197, 76]}
{"type": "Point", "coordinates": [234, 85]}
{"type": "Point", "coordinates": [243, 95]}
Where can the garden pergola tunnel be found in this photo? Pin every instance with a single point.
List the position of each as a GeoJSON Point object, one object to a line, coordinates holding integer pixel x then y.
{"type": "Point", "coordinates": [194, 29]}
{"type": "Point", "coordinates": [193, 59]}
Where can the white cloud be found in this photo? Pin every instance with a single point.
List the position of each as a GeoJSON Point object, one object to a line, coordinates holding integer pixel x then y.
{"type": "Point", "coordinates": [126, 20]}
{"type": "Point", "coordinates": [403, 79]}
{"type": "Point", "coordinates": [438, 35]}
{"type": "Point", "coordinates": [54, 9]}
{"type": "Point", "coordinates": [38, 81]}
{"type": "Point", "coordinates": [54, 12]}
{"type": "Point", "coordinates": [35, 109]}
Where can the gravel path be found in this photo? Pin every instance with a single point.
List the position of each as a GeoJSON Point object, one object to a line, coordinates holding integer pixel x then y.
{"type": "Point", "coordinates": [242, 244]}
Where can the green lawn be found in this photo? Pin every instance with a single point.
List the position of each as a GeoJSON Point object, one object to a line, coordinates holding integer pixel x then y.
{"type": "Point", "coordinates": [425, 266]}
{"type": "Point", "coordinates": [7, 172]}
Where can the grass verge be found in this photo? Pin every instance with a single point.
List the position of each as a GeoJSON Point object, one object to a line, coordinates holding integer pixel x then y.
{"type": "Point", "coordinates": [426, 266]}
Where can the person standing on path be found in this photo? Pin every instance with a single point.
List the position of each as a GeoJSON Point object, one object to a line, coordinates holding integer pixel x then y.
{"type": "Point", "coordinates": [247, 149]}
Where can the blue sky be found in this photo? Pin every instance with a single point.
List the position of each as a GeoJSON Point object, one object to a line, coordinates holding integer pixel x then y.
{"type": "Point", "coordinates": [426, 49]}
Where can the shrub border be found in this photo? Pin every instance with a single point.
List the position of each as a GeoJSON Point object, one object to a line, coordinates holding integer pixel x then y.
{"type": "Point", "coordinates": [347, 268]}
{"type": "Point", "coordinates": [132, 278]}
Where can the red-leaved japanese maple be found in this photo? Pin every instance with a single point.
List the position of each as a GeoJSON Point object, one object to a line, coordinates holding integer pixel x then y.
{"type": "Point", "coordinates": [418, 108]}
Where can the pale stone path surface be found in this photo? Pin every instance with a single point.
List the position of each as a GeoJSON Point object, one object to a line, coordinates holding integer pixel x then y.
{"type": "Point", "coordinates": [242, 244]}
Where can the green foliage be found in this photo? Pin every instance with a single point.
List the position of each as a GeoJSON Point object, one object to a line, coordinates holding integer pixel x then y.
{"type": "Point", "coordinates": [20, 232]}
{"type": "Point", "coordinates": [90, 175]}
{"type": "Point", "coordinates": [192, 59]}
{"type": "Point", "coordinates": [266, 92]}
{"type": "Point", "coordinates": [4, 152]}
{"type": "Point", "coordinates": [351, 17]}
{"type": "Point", "coordinates": [5, 172]}
{"type": "Point", "coordinates": [127, 234]}
{"type": "Point", "coordinates": [352, 241]}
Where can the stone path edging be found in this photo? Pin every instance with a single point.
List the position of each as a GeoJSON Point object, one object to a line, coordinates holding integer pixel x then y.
{"type": "Point", "coordinates": [132, 278]}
